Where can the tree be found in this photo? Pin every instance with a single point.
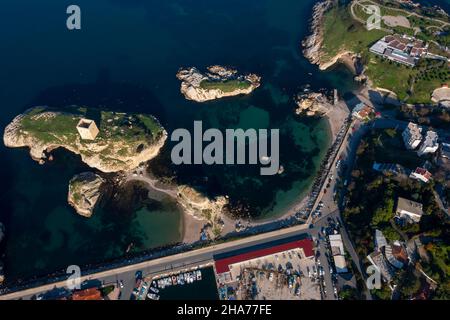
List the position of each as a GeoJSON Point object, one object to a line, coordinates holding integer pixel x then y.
{"type": "Point", "coordinates": [348, 293]}
{"type": "Point", "coordinates": [409, 284]}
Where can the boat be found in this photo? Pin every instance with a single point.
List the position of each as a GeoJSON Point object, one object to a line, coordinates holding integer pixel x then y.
{"type": "Point", "coordinates": [154, 290]}
{"type": "Point", "coordinates": [199, 275]}
{"type": "Point", "coordinates": [152, 296]}
{"type": "Point", "coordinates": [182, 279]}
{"type": "Point", "coordinates": [174, 280]}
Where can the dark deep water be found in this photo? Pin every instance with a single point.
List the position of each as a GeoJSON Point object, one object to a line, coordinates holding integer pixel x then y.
{"type": "Point", "coordinates": [125, 58]}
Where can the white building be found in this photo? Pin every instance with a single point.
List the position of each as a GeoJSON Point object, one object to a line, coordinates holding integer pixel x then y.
{"type": "Point", "coordinates": [421, 174]}
{"type": "Point", "coordinates": [337, 250]}
{"type": "Point", "coordinates": [430, 144]}
{"type": "Point", "coordinates": [412, 136]}
{"type": "Point", "coordinates": [409, 210]}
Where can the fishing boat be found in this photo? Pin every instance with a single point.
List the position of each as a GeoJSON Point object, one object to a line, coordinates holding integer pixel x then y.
{"type": "Point", "coordinates": [199, 275]}
{"type": "Point", "coordinates": [152, 296]}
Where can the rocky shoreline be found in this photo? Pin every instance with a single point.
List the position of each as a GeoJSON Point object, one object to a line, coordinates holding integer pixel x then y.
{"type": "Point", "coordinates": [92, 153]}
{"type": "Point", "coordinates": [313, 43]}
{"type": "Point", "coordinates": [193, 83]}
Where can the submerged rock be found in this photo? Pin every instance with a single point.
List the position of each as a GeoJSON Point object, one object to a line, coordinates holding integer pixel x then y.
{"type": "Point", "coordinates": [85, 192]}
{"type": "Point", "coordinates": [312, 104]}
{"type": "Point", "coordinates": [217, 83]}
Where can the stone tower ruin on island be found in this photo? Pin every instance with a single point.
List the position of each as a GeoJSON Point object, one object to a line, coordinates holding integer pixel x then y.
{"type": "Point", "coordinates": [87, 129]}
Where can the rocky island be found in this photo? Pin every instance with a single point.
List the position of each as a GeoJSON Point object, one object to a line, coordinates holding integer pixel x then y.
{"type": "Point", "coordinates": [218, 82]}
{"type": "Point", "coordinates": [85, 192]}
{"type": "Point", "coordinates": [120, 143]}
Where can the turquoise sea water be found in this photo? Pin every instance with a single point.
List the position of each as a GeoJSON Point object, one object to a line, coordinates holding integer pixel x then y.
{"type": "Point", "coordinates": [125, 58]}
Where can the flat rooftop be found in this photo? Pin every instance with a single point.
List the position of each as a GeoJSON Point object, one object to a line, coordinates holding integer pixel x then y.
{"type": "Point", "coordinates": [222, 264]}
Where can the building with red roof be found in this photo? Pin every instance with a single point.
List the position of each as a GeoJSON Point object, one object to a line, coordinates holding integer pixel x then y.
{"type": "Point", "coordinates": [222, 265]}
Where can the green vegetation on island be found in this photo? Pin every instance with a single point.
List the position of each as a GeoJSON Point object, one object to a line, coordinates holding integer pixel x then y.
{"type": "Point", "coordinates": [225, 86]}
{"type": "Point", "coordinates": [122, 141]}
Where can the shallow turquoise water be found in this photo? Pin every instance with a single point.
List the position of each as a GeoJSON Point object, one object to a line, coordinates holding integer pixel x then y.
{"type": "Point", "coordinates": [125, 58]}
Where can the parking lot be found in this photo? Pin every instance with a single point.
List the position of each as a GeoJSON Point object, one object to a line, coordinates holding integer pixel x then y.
{"type": "Point", "coordinates": [286, 276]}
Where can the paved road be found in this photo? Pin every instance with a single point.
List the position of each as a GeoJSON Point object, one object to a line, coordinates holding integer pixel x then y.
{"type": "Point", "coordinates": [165, 264]}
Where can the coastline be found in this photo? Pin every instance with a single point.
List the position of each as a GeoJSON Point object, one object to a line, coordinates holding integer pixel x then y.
{"type": "Point", "coordinates": [334, 121]}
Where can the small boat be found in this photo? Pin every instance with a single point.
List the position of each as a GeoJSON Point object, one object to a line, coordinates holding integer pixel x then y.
{"type": "Point", "coordinates": [174, 280]}
{"type": "Point", "coordinates": [199, 275]}
{"type": "Point", "coordinates": [152, 296]}
{"type": "Point", "coordinates": [154, 290]}
{"type": "Point", "coordinates": [130, 246]}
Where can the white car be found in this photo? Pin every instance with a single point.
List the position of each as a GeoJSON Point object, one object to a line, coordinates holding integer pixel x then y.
{"type": "Point", "coordinates": [121, 284]}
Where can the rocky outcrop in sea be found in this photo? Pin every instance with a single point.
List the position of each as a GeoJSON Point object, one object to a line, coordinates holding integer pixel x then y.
{"type": "Point", "coordinates": [218, 82]}
{"type": "Point", "coordinates": [85, 192]}
{"type": "Point", "coordinates": [312, 104]}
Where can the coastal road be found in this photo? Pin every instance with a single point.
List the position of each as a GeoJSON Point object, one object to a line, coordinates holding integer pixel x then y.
{"type": "Point", "coordinates": [166, 264]}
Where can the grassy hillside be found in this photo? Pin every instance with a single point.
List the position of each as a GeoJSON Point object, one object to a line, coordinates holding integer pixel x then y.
{"type": "Point", "coordinates": [225, 86]}
{"type": "Point", "coordinates": [413, 85]}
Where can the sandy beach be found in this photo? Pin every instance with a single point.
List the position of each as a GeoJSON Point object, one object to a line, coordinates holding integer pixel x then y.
{"type": "Point", "coordinates": [191, 228]}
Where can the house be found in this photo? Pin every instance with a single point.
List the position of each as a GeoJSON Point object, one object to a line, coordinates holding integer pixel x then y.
{"type": "Point", "coordinates": [377, 259]}
{"type": "Point", "coordinates": [412, 136]}
{"type": "Point", "coordinates": [421, 174]}
{"type": "Point", "coordinates": [340, 264]}
{"type": "Point", "coordinates": [391, 169]}
{"type": "Point", "coordinates": [388, 252]}
{"type": "Point", "coordinates": [362, 112]}
{"type": "Point", "coordinates": [380, 240]}
{"type": "Point", "coordinates": [409, 210]}
{"type": "Point", "coordinates": [381, 245]}
{"type": "Point", "coordinates": [87, 129]}
{"type": "Point", "coordinates": [401, 49]}
{"type": "Point", "coordinates": [430, 143]}
{"type": "Point", "coordinates": [337, 250]}
{"type": "Point", "coordinates": [88, 294]}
